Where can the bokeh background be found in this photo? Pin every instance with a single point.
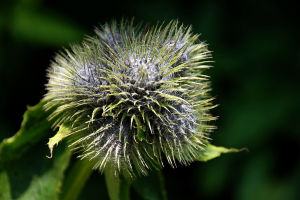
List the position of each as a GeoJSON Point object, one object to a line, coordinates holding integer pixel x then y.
{"type": "Point", "coordinates": [255, 79]}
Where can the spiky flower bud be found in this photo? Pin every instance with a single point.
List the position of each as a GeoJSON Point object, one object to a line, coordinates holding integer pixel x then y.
{"type": "Point", "coordinates": [133, 96]}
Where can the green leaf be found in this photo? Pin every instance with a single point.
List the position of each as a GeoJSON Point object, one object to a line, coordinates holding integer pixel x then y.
{"type": "Point", "coordinates": [33, 176]}
{"type": "Point", "coordinates": [25, 172]}
{"type": "Point", "coordinates": [34, 127]}
{"type": "Point", "coordinates": [151, 187]}
{"type": "Point", "coordinates": [118, 187]}
{"type": "Point", "coordinates": [212, 152]}
{"type": "Point", "coordinates": [62, 133]}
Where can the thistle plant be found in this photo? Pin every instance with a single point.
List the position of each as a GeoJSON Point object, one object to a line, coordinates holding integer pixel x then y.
{"type": "Point", "coordinates": [133, 97]}
{"type": "Point", "coordinates": [130, 99]}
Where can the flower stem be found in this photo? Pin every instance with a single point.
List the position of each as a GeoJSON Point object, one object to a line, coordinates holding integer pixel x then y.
{"type": "Point", "coordinates": [118, 187]}
{"type": "Point", "coordinates": [76, 179]}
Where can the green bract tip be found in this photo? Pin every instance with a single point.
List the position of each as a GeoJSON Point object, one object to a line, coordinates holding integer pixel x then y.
{"type": "Point", "coordinates": [133, 96]}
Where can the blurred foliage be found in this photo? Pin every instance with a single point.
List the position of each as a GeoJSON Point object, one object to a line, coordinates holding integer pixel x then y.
{"type": "Point", "coordinates": [255, 80]}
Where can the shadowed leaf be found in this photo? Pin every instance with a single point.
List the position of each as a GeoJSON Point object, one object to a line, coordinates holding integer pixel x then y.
{"type": "Point", "coordinates": [25, 172]}
{"type": "Point", "coordinates": [34, 127]}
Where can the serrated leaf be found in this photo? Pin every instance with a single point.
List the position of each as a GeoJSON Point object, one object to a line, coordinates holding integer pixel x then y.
{"type": "Point", "coordinates": [212, 152]}
{"type": "Point", "coordinates": [151, 187]}
{"type": "Point", "coordinates": [62, 133]}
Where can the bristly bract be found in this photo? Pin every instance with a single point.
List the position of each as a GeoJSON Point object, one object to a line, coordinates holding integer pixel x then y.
{"type": "Point", "coordinates": [134, 97]}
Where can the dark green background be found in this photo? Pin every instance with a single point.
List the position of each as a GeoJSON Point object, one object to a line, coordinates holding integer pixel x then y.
{"type": "Point", "coordinates": [255, 79]}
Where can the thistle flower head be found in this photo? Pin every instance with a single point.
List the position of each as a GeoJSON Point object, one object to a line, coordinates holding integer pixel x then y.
{"type": "Point", "coordinates": [134, 97]}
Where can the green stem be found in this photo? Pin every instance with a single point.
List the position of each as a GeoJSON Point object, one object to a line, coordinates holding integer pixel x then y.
{"type": "Point", "coordinates": [76, 179]}
{"type": "Point", "coordinates": [118, 187]}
